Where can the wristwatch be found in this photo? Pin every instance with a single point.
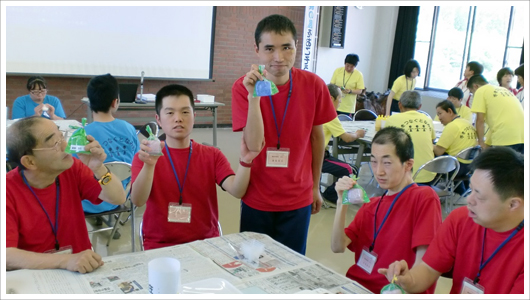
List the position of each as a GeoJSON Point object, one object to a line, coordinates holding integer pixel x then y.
{"type": "Point", "coordinates": [105, 179]}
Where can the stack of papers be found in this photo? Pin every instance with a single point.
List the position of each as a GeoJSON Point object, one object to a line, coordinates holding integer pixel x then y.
{"type": "Point", "coordinates": [146, 97]}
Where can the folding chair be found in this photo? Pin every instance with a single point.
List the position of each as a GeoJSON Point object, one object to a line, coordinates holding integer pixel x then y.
{"type": "Point", "coordinates": [425, 113]}
{"type": "Point", "coordinates": [442, 165]}
{"type": "Point", "coordinates": [123, 171]}
{"type": "Point", "coordinates": [364, 115]}
{"type": "Point", "coordinates": [344, 117]}
{"type": "Point", "coordinates": [142, 131]}
{"type": "Point", "coordinates": [466, 154]}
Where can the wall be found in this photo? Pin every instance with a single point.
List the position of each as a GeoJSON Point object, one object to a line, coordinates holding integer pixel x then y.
{"type": "Point", "coordinates": [234, 53]}
{"type": "Point", "coordinates": [369, 34]}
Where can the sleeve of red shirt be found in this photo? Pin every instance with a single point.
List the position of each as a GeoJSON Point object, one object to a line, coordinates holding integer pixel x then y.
{"type": "Point", "coordinates": [222, 167]}
{"type": "Point", "coordinates": [441, 252]}
{"type": "Point", "coordinates": [89, 187]}
{"type": "Point", "coordinates": [325, 112]}
{"type": "Point", "coordinates": [428, 217]}
{"type": "Point", "coordinates": [239, 105]}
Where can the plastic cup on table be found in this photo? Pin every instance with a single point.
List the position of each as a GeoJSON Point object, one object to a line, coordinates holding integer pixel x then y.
{"type": "Point", "coordinates": [164, 276]}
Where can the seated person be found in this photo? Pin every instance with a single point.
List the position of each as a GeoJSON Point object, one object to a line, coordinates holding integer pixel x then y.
{"type": "Point", "coordinates": [406, 216]}
{"type": "Point", "coordinates": [179, 187]}
{"type": "Point", "coordinates": [117, 137]}
{"type": "Point", "coordinates": [420, 128]}
{"type": "Point", "coordinates": [37, 102]}
{"type": "Point", "coordinates": [468, 240]}
{"type": "Point", "coordinates": [472, 68]}
{"type": "Point", "coordinates": [458, 134]}
{"type": "Point", "coordinates": [45, 225]}
{"type": "Point", "coordinates": [332, 165]}
{"type": "Point", "coordinates": [455, 95]}
{"type": "Point", "coordinates": [504, 78]}
{"type": "Point", "coordinates": [519, 72]}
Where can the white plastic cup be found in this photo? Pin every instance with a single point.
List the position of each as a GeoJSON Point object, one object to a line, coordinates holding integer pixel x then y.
{"type": "Point", "coordinates": [164, 276]}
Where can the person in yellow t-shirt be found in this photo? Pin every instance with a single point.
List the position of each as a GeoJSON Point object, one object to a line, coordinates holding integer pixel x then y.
{"type": "Point", "coordinates": [351, 82]}
{"type": "Point", "coordinates": [406, 82]}
{"type": "Point", "coordinates": [331, 164]}
{"type": "Point", "coordinates": [455, 95]}
{"type": "Point", "coordinates": [421, 130]}
{"type": "Point", "coordinates": [458, 134]}
{"type": "Point", "coordinates": [501, 111]}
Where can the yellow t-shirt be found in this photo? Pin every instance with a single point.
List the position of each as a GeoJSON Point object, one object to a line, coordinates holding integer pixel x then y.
{"type": "Point", "coordinates": [458, 135]}
{"type": "Point", "coordinates": [463, 111]}
{"type": "Point", "coordinates": [352, 81]}
{"type": "Point", "coordinates": [332, 128]}
{"type": "Point", "coordinates": [401, 84]}
{"type": "Point", "coordinates": [503, 114]}
{"type": "Point", "coordinates": [421, 130]}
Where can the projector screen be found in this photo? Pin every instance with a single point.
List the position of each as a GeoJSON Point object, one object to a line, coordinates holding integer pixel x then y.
{"type": "Point", "coordinates": [166, 42]}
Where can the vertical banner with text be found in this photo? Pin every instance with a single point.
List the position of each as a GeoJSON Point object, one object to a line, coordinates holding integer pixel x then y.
{"type": "Point", "coordinates": [309, 38]}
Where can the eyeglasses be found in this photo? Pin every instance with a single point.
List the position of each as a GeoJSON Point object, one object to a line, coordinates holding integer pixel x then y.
{"type": "Point", "coordinates": [38, 92]}
{"type": "Point", "coordinates": [55, 147]}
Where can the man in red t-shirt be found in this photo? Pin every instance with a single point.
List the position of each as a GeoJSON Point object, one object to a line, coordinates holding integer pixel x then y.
{"type": "Point", "coordinates": [179, 187]}
{"type": "Point", "coordinates": [483, 243]}
{"type": "Point", "coordinates": [398, 225]}
{"type": "Point", "coordinates": [45, 224]}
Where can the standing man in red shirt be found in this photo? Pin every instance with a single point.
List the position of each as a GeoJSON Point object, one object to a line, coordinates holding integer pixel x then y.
{"type": "Point", "coordinates": [284, 190]}
{"type": "Point", "coordinates": [483, 243]}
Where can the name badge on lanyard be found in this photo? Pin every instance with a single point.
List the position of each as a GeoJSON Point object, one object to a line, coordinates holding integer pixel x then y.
{"type": "Point", "coordinates": [179, 213]}
{"type": "Point", "coordinates": [367, 260]}
{"type": "Point", "coordinates": [277, 158]}
{"type": "Point", "coordinates": [469, 287]}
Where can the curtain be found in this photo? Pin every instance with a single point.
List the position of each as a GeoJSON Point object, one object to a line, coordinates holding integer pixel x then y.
{"type": "Point", "coordinates": [404, 41]}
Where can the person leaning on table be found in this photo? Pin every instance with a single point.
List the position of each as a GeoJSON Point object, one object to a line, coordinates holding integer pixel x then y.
{"type": "Point", "coordinates": [482, 243]}
{"type": "Point", "coordinates": [45, 224]}
{"type": "Point", "coordinates": [38, 102]}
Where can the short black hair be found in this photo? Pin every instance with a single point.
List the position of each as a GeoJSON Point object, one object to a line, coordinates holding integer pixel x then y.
{"type": "Point", "coordinates": [397, 137]}
{"type": "Point", "coordinates": [503, 72]}
{"type": "Point", "coordinates": [447, 105]}
{"type": "Point", "coordinates": [476, 67]}
{"type": "Point", "coordinates": [456, 92]}
{"type": "Point", "coordinates": [506, 170]}
{"type": "Point", "coordinates": [101, 91]}
{"type": "Point", "coordinates": [333, 90]}
{"type": "Point", "coordinates": [36, 82]}
{"type": "Point", "coordinates": [274, 23]}
{"type": "Point", "coordinates": [520, 71]}
{"type": "Point", "coordinates": [351, 58]}
{"type": "Point", "coordinates": [173, 90]}
{"type": "Point", "coordinates": [409, 67]}
{"type": "Point", "coordinates": [20, 139]}
{"type": "Point", "coordinates": [476, 79]}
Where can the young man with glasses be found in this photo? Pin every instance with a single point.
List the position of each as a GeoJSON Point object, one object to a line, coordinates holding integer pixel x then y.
{"type": "Point", "coordinates": [45, 224]}
{"type": "Point", "coordinates": [37, 102]}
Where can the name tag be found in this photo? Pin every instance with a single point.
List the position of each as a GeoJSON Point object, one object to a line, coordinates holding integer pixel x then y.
{"type": "Point", "coordinates": [468, 287]}
{"type": "Point", "coordinates": [367, 260]}
{"type": "Point", "coordinates": [277, 158]}
{"type": "Point", "coordinates": [179, 213]}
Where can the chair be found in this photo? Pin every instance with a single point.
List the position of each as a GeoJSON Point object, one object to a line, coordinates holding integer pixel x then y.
{"type": "Point", "coordinates": [442, 165]}
{"type": "Point", "coordinates": [344, 117]}
{"type": "Point", "coordinates": [364, 115]}
{"type": "Point", "coordinates": [466, 154]}
{"type": "Point", "coordinates": [123, 171]}
{"type": "Point", "coordinates": [141, 233]}
{"type": "Point", "coordinates": [425, 113]}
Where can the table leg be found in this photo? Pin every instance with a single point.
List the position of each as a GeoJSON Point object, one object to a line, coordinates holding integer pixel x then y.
{"type": "Point", "coordinates": [360, 153]}
{"type": "Point", "coordinates": [335, 148]}
{"type": "Point", "coordinates": [88, 114]}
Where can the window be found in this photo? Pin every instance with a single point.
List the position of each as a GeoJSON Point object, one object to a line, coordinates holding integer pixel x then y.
{"type": "Point", "coordinates": [448, 37]}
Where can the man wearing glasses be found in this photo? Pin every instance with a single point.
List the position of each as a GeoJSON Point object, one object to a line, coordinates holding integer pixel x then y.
{"type": "Point", "coordinates": [45, 224]}
{"type": "Point", "coordinates": [37, 102]}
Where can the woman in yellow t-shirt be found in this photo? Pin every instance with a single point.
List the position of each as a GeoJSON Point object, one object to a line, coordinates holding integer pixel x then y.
{"type": "Point", "coordinates": [458, 134]}
{"type": "Point", "coordinates": [406, 82]}
{"type": "Point", "coordinates": [351, 83]}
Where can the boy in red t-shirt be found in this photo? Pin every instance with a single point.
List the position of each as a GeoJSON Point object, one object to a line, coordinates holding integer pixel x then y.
{"type": "Point", "coordinates": [483, 243]}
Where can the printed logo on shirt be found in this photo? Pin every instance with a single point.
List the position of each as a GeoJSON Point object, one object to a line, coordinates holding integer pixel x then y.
{"type": "Point", "coordinates": [416, 125]}
{"type": "Point", "coordinates": [118, 146]}
{"type": "Point", "coordinates": [468, 133]}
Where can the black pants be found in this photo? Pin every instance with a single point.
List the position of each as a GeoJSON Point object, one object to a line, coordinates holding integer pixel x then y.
{"type": "Point", "coordinates": [394, 107]}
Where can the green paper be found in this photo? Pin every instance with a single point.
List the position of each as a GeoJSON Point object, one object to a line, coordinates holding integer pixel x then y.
{"type": "Point", "coordinates": [78, 140]}
{"type": "Point", "coordinates": [364, 197]}
{"type": "Point", "coordinates": [392, 288]}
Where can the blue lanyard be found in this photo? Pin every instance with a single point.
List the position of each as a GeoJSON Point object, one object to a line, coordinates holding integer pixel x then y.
{"type": "Point", "coordinates": [54, 228]}
{"type": "Point", "coordinates": [181, 187]}
{"type": "Point", "coordinates": [376, 233]}
{"type": "Point", "coordinates": [279, 132]}
{"type": "Point", "coordinates": [484, 263]}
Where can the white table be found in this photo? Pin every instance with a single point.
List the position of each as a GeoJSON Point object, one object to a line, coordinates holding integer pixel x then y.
{"type": "Point", "coordinates": [150, 106]}
{"type": "Point", "coordinates": [280, 271]}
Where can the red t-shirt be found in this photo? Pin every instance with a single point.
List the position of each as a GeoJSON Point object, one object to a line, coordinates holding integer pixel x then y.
{"type": "Point", "coordinates": [412, 222]}
{"type": "Point", "coordinates": [208, 167]}
{"type": "Point", "coordinates": [27, 226]}
{"type": "Point", "coordinates": [284, 189]}
{"type": "Point", "coordinates": [458, 245]}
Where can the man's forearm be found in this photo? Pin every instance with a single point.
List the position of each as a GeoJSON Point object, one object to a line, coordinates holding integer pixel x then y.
{"type": "Point", "coordinates": [480, 127]}
{"type": "Point", "coordinates": [317, 147]}
{"type": "Point", "coordinates": [142, 185]}
{"type": "Point", "coordinates": [21, 259]}
{"type": "Point", "coordinates": [254, 131]}
{"type": "Point", "coordinates": [338, 237]}
{"type": "Point", "coordinates": [237, 185]}
{"type": "Point", "coordinates": [422, 277]}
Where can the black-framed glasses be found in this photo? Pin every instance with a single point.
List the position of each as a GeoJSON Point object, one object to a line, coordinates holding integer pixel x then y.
{"type": "Point", "coordinates": [38, 92]}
